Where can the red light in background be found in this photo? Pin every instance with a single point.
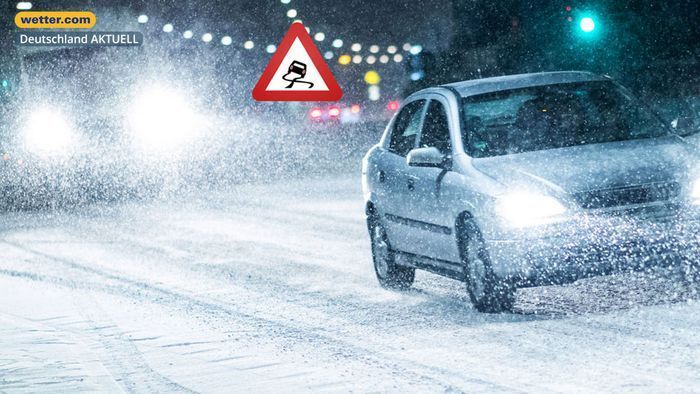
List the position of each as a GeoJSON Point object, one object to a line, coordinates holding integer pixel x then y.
{"type": "Point", "coordinates": [315, 113]}
{"type": "Point", "coordinates": [334, 112]}
{"type": "Point", "coordinates": [393, 105]}
{"type": "Point", "coordinates": [568, 8]}
{"type": "Point", "coordinates": [355, 108]}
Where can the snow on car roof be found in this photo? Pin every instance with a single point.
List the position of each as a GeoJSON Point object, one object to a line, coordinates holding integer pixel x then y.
{"type": "Point", "coordinates": [507, 82]}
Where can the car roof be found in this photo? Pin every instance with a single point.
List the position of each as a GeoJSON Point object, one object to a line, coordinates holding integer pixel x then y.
{"type": "Point", "coordinates": [507, 82]}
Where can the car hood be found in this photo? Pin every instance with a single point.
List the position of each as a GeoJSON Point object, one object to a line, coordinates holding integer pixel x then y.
{"type": "Point", "coordinates": [593, 167]}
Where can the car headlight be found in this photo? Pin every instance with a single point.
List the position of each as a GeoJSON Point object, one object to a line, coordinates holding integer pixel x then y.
{"type": "Point", "coordinates": [695, 193]}
{"type": "Point", "coordinates": [162, 121]}
{"type": "Point", "coordinates": [526, 209]}
{"type": "Point", "coordinates": [48, 132]}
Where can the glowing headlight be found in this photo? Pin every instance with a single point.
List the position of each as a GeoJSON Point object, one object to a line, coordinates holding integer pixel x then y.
{"type": "Point", "coordinates": [525, 209]}
{"type": "Point", "coordinates": [48, 132]}
{"type": "Point", "coordinates": [695, 193]}
{"type": "Point", "coordinates": [161, 120]}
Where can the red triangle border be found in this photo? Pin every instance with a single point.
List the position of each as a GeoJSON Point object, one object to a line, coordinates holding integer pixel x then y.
{"type": "Point", "coordinates": [297, 30]}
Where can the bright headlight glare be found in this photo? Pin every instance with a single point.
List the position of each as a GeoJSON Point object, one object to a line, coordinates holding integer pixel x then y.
{"type": "Point", "coordinates": [48, 132]}
{"type": "Point", "coordinates": [525, 209]}
{"type": "Point", "coordinates": [162, 121]}
{"type": "Point", "coordinates": [695, 193]}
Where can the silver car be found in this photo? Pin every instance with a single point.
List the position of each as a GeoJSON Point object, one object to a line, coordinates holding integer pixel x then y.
{"type": "Point", "coordinates": [527, 180]}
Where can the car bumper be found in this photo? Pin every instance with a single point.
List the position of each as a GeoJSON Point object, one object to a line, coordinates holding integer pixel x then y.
{"type": "Point", "coordinates": [595, 245]}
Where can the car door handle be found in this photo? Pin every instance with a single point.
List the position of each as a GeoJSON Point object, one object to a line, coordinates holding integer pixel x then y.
{"type": "Point", "coordinates": [411, 183]}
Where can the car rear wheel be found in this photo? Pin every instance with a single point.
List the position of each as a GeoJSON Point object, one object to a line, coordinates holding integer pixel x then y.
{"type": "Point", "coordinates": [488, 292]}
{"type": "Point", "coordinates": [389, 274]}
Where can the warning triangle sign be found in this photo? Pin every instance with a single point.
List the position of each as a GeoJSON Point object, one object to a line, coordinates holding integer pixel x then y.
{"type": "Point", "coordinates": [297, 72]}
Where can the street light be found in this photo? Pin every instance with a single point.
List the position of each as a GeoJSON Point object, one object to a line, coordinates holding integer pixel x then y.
{"type": "Point", "coordinates": [248, 44]}
{"type": "Point", "coordinates": [226, 40]}
{"type": "Point", "coordinates": [142, 18]}
{"type": "Point", "coordinates": [337, 43]}
{"type": "Point", "coordinates": [187, 34]}
{"type": "Point", "coordinates": [319, 36]}
{"type": "Point", "coordinates": [24, 5]}
{"type": "Point", "coordinates": [206, 37]}
{"type": "Point", "coordinates": [292, 13]}
{"type": "Point", "coordinates": [168, 28]}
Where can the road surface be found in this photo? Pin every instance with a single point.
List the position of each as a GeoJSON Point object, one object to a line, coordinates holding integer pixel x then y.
{"type": "Point", "coordinates": [267, 287]}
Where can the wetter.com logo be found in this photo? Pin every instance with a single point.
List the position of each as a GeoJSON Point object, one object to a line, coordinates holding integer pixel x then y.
{"type": "Point", "coordinates": [297, 72]}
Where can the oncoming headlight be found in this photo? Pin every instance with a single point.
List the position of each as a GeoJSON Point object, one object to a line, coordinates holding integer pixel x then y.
{"type": "Point", "coordinates": [522, 209]}
{"type": "Point", "coordinates": [162, 121]}
{"type": "Point", "coordinates": [48, 132]}
{"type": "Point", "coordinates": [695, 193]}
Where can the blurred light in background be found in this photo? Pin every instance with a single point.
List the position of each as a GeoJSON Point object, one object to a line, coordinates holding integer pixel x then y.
{"type": "Point", "coordinates": [373, 93]}
{"type": "Point", "coordinates": [384, 59]}
{"type": "Point", "coordinates": [357, 59]}
{"type": "Point", "coordinates": [398, 58]}
{"type": "Point", "coordinates": [393, 105]}
{"type": "Point", "coordinates": [344, 59]}
{"type": "Point", "coordinates": [371, 59]}
{"type": "Point", "coordinates": [285, 1]}
{"type": "Point", "coordinates": [24, 5]}
{"type": "Point", "coordinates": [416, 75]}
{"type": "Point", "coordinates": [48, 132]}
{"type": "Point", "coordinates": [292, 13]}
{"type": "Point", "coordinates": [587, 24]}
{"type": "Point", "coordinates": [207, 37]}
{"type": "Point", "coordinates": [355, 108]}
{"type": "Point", "coordinates": [248, 44]}
{"type": "Point", "coordinates": [226, 40]}
{"type": "Point", "coordinates": [315, 113]}
{"type": "Point", "coordinates": [356, 47]}
{"type": "Point", "coordinates": [391, 49]}
{"type": "Point", "coordinates": [168, 28]}
{"type": "Point", "coordinates": [328, 55]}
{"type": "Point", "coordinates": [334, 112]}
{"type": "Point", "coordinates": [142, 19]}
{"type": "Point", "coordinates": [337, 43]}
{"type": "Point", "coordinates": [406, 47]}
{"type": "Point", "coordinates": [187, 34]}
{"type": "Point", "coordinates": [319, 36]}
{"type": "Point", "coordinates": [270, 49]}
{"type": "Point", "coordinates": [416, 49]}
{"type": "Point", "coordinates": [374, 48]}
{"type": "Point", "coordinates": [372, 77]}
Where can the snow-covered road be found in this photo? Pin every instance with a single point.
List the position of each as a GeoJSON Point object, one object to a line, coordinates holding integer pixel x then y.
{"type": "Point", "coordinates": [270, 288]}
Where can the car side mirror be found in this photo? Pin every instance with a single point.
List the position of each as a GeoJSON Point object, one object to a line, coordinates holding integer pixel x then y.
{"type": "Point", "coordinates": [428, 157]}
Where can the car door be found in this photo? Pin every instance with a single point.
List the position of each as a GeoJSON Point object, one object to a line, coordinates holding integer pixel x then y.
{"type": "Point", "coordinates": [428, 202]}
{"type": "Point", "coordinates": [393, 173]}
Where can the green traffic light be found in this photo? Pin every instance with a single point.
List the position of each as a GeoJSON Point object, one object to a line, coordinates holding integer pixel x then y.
{"type": "Point", "coordinates": [587, 24]}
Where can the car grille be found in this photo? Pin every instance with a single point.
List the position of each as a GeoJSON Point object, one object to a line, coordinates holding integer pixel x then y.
{"type": "Point", "coordinates": [616, 197]}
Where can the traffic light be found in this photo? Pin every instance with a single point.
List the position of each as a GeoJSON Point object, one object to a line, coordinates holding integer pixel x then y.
{"type": "Point", "coordinates": [587, 24]}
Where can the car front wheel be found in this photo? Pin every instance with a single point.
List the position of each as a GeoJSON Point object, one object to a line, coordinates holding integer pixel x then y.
{"type": "Point", "coordinates": [389, 274]}
{"type": "Point", "coordinates": [488, 292]}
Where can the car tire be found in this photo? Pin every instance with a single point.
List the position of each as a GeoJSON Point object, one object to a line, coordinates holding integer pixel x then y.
{"type": "Point", "coordinates": [389, 274]}
{"type": "Point", "coordinates": [488, 292]}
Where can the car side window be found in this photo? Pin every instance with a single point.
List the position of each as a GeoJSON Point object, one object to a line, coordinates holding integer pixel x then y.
{"type": "Point", "coordinates": [403, 136]}
{"type": "Point", "coordinates": [436, 128]}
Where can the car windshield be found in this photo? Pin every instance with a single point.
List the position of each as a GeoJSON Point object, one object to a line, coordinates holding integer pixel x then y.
{"type": "Point", "coordinates": [554, 116]}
